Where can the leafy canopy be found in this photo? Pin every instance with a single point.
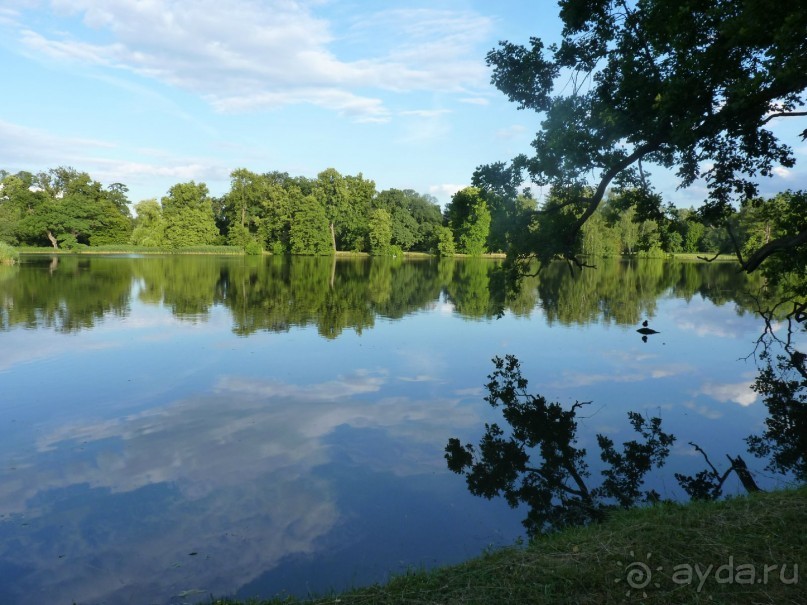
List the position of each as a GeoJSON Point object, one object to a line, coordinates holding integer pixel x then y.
{"type": "Point", "coordinates": [689, 86]}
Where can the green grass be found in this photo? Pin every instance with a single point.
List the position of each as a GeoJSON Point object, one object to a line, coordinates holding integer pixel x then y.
{"type": "Point", "coordinates": [128, 249]}
{"type": "Point", "coordinates": [701, 255]}
{"type": "Point", "coordinates": [8, 254]}
{"type": "Point", "coordinates": [591, 566]}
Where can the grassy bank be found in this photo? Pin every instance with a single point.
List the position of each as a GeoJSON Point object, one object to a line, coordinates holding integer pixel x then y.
{"type": "Point", "coordinates": [228, 250]}
{"type": "Point", "coordinates": [745, 550]}
{"type": "Point", "coordinates": [699, 256]}
{"type": "Point", "coordinates": [126, 249]}
{"type": "Point", "coordinates": [8, 255]}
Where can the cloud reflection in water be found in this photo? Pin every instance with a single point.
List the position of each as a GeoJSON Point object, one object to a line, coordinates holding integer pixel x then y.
{"type": "Point", "coordinates": [111, 510]}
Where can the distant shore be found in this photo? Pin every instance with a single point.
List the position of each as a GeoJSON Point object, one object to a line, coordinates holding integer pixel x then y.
{"type": "Point", "coordinates": [236, 251]}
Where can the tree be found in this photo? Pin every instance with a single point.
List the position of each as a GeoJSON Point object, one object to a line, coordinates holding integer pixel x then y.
{"type": "Point", "coordinates": [113, 223]}
{"type": "Point", "coordinates": [17, 198]}
{"type": "Point", "coordinates": [380, 233]}
{"type": "Point", "coordinates": [276, 213]}
{"type": "Point", "coordinates": [687, 86]}
{"type": "Point", "coordinates": [599, 239]}
{"type": "Point", "coordinates": [499, 185]}
{"type": "Point", "coordinates": [693, 231]}
{"type": "Point", "coordinates": [425, 210]}
{"type": "Point", "coordinates": [346, 202]}
{"type": "Point", "coordinates": [469, 219]}
{"type": "Point", "coordinates": [64, 206]}
{"type": "Point", "coordinates": [149, 225]}
{"type": "Point", "coordinates": [241, 207]}
{"type": "Point", "coordinates": [188, 214]}
{"type": "Point", "coordinates": [360, 193]}
{"type": "Point", "coordinates": [445, 241]}
{"type": "Point", "coordinates": [405, 229]}
{"type": "Point", "coordinates": [310, 232]}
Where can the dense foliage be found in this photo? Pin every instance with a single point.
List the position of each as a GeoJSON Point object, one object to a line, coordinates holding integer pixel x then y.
{"type": "Point", "coordinates": [62, 207]}
{"type": "Point", "coordinates": [272, 211]}
{"type": "Point", "coordinates": [282, 214]}
{"type": "Point", "coordinates": [685, 86]}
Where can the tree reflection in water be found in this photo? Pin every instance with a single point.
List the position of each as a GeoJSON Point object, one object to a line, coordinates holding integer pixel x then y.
{"type": "Point", "coordinates": [536, 462]}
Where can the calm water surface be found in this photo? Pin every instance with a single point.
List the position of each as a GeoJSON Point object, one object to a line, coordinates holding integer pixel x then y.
{"type": "Point", "coordinates": [175, 427]}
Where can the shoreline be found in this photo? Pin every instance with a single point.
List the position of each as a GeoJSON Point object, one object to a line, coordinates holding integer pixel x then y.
{"type": "Point", "coordinates": [742, 550]}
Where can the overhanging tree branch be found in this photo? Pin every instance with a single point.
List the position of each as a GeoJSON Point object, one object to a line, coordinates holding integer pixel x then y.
{"type": "Point", "coordinates": [772, 247]}
{"type": "Point", "coordinates": [783, 114]}
{"type": "Point", "coordinates": [606, 179]}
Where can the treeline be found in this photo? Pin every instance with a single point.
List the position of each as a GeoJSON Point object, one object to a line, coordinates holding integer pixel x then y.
{"type": "Point", "coordinates": [619, 227]}
{"type": "Point", "coordinates": [272, 211]}
{"type": "Point", "coordinates": [276, 212]}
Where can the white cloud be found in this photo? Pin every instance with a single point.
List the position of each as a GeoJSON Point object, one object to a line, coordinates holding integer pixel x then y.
{"type": "Point", "coordinates": [782, 172]}
{"type": "Point", "coordinates": [34, 149]}
{"type": "Point", "coordinates": [362, 109]}
{"type": "Point", "coordinates": [475, 101]}
{"type": "Point", "coordinates": [446, 190]}
{"type": "Point", "coordinates": [9, 16]}
{"type": "Point", "coordinates": [426, 113]}
{"type": "Point", "coordinates": [29, 145]}
{"type": "Point", "coordinates": [739, 392]}
{"type": "Point", "coordinates": [242, 55]}
{"type": "Point", "coordinates": [630, 369]}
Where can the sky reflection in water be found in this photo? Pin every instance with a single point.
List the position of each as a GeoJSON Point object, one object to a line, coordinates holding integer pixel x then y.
{"type": "Point", "coordinates": [173, 428]}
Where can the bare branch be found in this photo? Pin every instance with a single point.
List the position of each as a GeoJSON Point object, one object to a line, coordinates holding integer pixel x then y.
{"type": "Point", "coordinates": [783, 114]}
{"type": "Point", "coordinates": [709, 260]}
{"type": "Point", "coordinates": [705, 457]}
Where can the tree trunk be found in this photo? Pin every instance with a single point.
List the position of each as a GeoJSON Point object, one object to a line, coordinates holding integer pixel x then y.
{"type": "Point", "coordinates": [333, 238]}
{"type": "Point", "coordinates": [739, 466]}
{"type": "Point", "coordinates": [53, 241]}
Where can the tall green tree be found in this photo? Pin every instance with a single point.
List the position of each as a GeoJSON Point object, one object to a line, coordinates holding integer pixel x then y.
{"type": "Point", "coordinates": [346, 202]}
{"type": "Point", "coordinates": [188, 214]}
{"type": "Point", "coordinates": [380, 232]}
{"type": "Point", "coordinates": [405, 229]}
{"type": "Point", "coordinates": [469, 218]}
{"type": "Point", "coordinates": [426, 212]}
{"type": "Point", "coordinates": [17, 198]}
{"type": "Point", "coordinates": [64, 206]}
{"type": "Point", "coordinates": [445, 241]}
{"type": "Point", "coordinates": [149, 227]}
{"type": "Point", "coordinates": [689, 87]}
{"type": "Point", "coordinates": [276, 214]}
{"type": "Point", "coordinates": [241, 207]}
{"type": "Point", "coordinates": [509, 207]}
{"type": "Point", "coordinates": [360, 192]}
{"type": "Point", "coordinates": [310, 232]}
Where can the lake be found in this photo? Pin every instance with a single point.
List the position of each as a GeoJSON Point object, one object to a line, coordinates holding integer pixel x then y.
{"type": "Point", "coordinates": [173, 427]}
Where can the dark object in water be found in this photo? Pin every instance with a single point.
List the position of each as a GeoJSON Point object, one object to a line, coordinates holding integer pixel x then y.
{"type": "Point", "coordinates": [647, 331]}
{"type": "Point", "coordinates": [644, 323]}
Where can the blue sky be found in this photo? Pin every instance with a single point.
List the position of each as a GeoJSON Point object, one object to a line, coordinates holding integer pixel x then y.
{"type": "Point", "coordinates": [150, 93]}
